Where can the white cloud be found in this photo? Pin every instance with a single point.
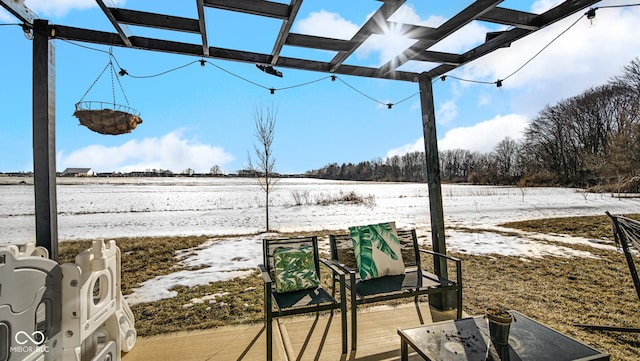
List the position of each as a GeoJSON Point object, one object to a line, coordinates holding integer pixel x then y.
{"type": "Point", "coordinates": [387, 46]}
{"type": "Point", "coordinates": [481, 137]}
{"type": "Point", "coordinates": [484, 99]}
{"type": "Point", "coordinates": [58, 8]}
{"type": "Point", "coordinates": [172, 151]}
{"type": "Point", "coordinates": [484, 136]}
{"type": "Point", "coordinates": [418, 146]}
{"type": "Point", "coordinates": [327, 24]}
{"type": "Point", "coordinates": [469, 36]}
{"type": "Point", "coordinates": [407, 14]}
{"type": "Point", "coordinates": [446, 112]}
{"type": "Point", "coordinates": [541, 6]}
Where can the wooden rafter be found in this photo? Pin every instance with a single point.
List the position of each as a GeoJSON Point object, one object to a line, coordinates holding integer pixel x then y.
{"type": "Point", "coordinates": [158, 21]}
{"type": "Point", "coordinates": [440, 57]}
{"type": "Point", "coordinates": [408, 30]}
{"type": "Point", "coordinates": [318, 42]}
{"type": "Point", "coordinates": [284, 30]}
{"type": "Point", "coordinates": [101, 37]}
{"type": "Point", "coordinates": [20, 11]}
{"type": "Point", "coordinates": [203, 27]}
{"type": "Point", "coordinates": [123, 32]}
{"type": "Point", "coordinates": [255, 7]}
{"type": "Point", "coordinates": [519, 19]}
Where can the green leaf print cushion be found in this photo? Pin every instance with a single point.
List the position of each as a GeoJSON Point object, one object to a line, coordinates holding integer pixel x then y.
{"type": "Point", "coordinates": [294, 269]}
{"type": "Point", "coordinates": [377, 250]}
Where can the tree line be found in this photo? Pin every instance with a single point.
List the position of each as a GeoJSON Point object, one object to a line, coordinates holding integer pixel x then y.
{"type": "Point", "coordinates": [589, 140]}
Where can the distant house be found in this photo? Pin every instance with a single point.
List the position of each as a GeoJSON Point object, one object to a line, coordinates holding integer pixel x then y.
{"type": "Point", "coordinates": [78, 172]}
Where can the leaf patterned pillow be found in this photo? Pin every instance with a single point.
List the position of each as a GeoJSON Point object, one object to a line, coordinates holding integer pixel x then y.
{"type": "Point", "coordinates": [294, 269]}
{"type": "Point", "coordinates": [377, 250]}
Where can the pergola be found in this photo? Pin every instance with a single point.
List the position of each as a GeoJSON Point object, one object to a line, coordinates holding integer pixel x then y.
{"type": "Point", "coordinates": [520, 24]}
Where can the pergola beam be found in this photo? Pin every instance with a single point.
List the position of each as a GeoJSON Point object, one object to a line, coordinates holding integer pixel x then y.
{"type": "Point", "coordinates": [409, 30]}
{"type": "Point", "coordinates": [203, 27]}
{"type": "Point", "coordinates": [255, 7]}
{"type": "Point", "coordinates": [20, 11]}
{"type": "Point", "coordinates": [284, 30]}
{"type": "Point", "coordinates": [318, 42]}
{"type": "Point", "coordinates": [123, 32]}
{"type": "Point", "coordinates": [111, 39]}
{"type": "Point", "coordinates": [519, 19]}
{"type": "Point", "coordinates": [440, 57]}
{"type": "Point", "coordinates": [158, 21]}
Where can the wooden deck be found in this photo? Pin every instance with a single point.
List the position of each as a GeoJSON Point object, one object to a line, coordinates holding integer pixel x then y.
{"type": "Point", "coordinates": [295, 338]}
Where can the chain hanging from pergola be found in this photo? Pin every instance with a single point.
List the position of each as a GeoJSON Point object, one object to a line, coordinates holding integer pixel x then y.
{"type": "Point", "coordinates": [107, 117]}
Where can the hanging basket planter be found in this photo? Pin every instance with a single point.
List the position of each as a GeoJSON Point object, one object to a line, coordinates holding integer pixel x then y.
{"type": "Point", "coordinates": [106, 118]}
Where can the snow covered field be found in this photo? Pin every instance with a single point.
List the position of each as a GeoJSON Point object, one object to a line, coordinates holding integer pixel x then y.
{"type": "Point", "coordinates": [128, 207]}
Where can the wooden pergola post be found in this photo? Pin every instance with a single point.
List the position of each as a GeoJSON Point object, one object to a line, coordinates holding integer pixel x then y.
{"type": "Point", "coordinates": [44, 138]}
{"type": "Point", "coordinates": [444, 301]}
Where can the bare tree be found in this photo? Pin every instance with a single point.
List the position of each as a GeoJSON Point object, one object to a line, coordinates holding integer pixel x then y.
{"type": "Point", "coordinates": [505, 155]}
{"type": "Point", "coordinates": [263, 166]}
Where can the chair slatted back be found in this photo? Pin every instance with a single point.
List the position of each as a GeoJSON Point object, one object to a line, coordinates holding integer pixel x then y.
{"type": "Point", "coordinates": [269, 246]}
{"type": "Point", "coordinates": [342, 249]}
{"type": "Point", "coordinates": [626, 233]}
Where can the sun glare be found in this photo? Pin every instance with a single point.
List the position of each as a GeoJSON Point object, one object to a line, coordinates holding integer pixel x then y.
{"type": "Point", "coordinates": [392, 42]}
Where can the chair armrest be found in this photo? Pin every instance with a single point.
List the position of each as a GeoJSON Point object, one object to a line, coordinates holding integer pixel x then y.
{"type": "Point", "coordinates": [454, 259]}
{"type": "Point", "coordinates": [342, 266]}
{"type": "Point", "coordinates": [265, 275]}
{"type": "Point", "coordinates": [344, 272]}
{"type": "Point", "coordinates": [340, 272]}
{"type": "Point", "coordinates": [457, 261]}
{"type": "Point", "coordinates": [333, 266]}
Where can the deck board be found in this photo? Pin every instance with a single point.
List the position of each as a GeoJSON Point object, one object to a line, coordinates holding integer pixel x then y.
{"type": "Point", "coordinates": [306, 338]}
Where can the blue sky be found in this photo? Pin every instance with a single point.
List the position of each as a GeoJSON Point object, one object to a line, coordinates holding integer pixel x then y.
{"type": "Point", "coordinates": [197, 117]}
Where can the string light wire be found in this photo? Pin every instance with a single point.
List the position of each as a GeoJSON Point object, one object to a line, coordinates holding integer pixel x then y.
{"type": "Point", "coordinates": [444, 77]}
{"type": "Point", "coordinates": [304, 84]}
{"type": "Point", "coordinates": [360, 92]}
{"type": "Point", "coordinates": [164, 72]}
{"type": "Point", "coordinates": [544, 47]}
{"type": "Point", "coordinates": [272, 90]}
{"type": "Point", "coordinates": [499, 81]}
{"type": "Point", "coordinates": [617, 6]}
{"type": "Point", "coordinates": [238, 76]}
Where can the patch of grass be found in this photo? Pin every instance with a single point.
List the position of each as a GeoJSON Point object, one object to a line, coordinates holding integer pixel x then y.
{"type": "Point", "coordinates": [236, 301]}
{"type": "Point", "coordinates": [562, 291]}
{"type": "Point", "coordinates": [143, 258]}
{"type": "Point", "coordinates": [595, 227]}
